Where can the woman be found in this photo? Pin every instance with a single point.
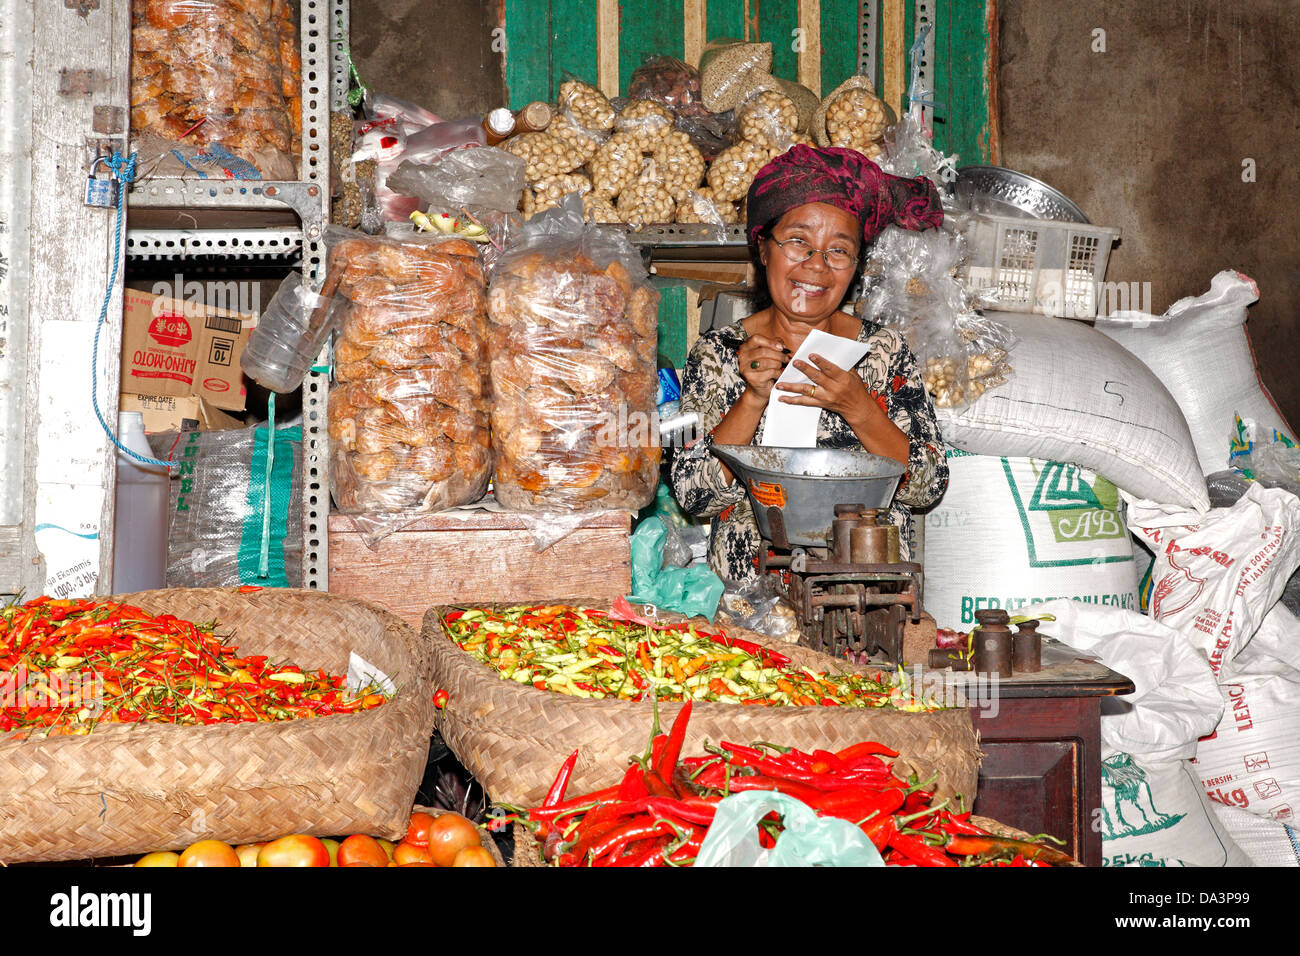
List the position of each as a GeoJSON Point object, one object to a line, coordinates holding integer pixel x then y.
{"type": "Point", "coordinates": [810, 212]}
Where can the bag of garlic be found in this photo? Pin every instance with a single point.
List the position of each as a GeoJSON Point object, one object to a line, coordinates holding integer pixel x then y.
{"type": "Point", "coordinates": [909, 284]}
{"type": "Point", "coordinates": [572, 343]}
{"type": "Point", "coordinates": [852, 115]}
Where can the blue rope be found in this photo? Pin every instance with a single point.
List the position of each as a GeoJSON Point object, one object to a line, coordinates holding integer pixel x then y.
{"type": "Point", "coordinates": [123, 170]}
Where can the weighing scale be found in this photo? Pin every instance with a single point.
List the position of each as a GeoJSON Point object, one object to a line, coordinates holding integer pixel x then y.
{"type": "Point", "coordinates": [815, 510]}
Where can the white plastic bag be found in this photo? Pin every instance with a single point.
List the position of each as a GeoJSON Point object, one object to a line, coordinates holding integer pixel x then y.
{"type": "Point", "coordinates": [807, 840]}
{"type": "Point", "coordinates": [1041, 530]}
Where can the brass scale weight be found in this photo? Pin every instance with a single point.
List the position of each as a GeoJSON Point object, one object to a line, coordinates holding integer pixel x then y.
{"type": "Point", "coordinates": [817, 509]}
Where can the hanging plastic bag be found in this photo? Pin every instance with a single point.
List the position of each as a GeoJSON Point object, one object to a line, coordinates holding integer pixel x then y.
{"type": "Point", "coordinates": [691, 591]}
{"type": "Point", "coordinates": [808, 840]}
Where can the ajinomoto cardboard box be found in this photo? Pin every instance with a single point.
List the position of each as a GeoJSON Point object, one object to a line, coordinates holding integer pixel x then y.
{"type": "Point", "coordinates": [183, 348]}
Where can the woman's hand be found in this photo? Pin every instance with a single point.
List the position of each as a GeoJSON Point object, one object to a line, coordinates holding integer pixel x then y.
{"type": "Point", "coordinates": [761, 363]}
{"type": "Point", "coordinates": [840, 390]}
{"type": "Point", "coordinates": [832, 388]}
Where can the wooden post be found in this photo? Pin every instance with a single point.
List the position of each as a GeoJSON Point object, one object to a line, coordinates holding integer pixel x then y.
{"type": "Point", "coordinates": [607, 27]}
{"type": "Point", "coordinates": [810, 50]}
{"type": "Point", "coordinates": [893, 53]}
{"type": "Point", "coordinates": [695, 29]}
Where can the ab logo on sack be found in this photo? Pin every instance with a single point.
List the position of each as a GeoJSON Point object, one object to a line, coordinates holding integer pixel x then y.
{"type": "Point", "coordinates": [1074, 510]}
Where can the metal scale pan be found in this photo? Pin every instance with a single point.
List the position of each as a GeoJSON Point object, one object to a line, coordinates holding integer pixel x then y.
{"type": "Point", "coordinates": [794, 491]}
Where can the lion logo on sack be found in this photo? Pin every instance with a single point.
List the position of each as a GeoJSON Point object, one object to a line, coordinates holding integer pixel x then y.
{"type": "Point", "coordinates": [170, 329]}
{"type": "Point", "coordinates": [1124, 784]}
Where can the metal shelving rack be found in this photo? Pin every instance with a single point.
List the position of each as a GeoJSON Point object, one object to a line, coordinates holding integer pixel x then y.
{"type": "Point", "coordinates": [246, 221]}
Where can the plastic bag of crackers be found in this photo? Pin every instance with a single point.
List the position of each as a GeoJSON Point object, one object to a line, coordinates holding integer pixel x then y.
{"type": "Point", "coordinates": [572, 341]}
{"type": "Point", "coordinates": [226, 72]}
{"type": "Point", "coordinates": [408, 417]}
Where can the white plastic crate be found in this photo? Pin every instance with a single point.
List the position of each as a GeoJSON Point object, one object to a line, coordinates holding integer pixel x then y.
{"type": "Point", "coordinates": [1038, 265]}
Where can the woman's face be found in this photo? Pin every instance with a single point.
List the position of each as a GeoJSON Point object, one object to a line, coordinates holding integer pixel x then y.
{"type": "Point", "coordinates": [810, 291]}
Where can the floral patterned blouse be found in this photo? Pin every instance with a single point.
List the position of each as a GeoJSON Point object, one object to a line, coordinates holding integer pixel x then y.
{"type": "Point", "coordinates": [711, 384]}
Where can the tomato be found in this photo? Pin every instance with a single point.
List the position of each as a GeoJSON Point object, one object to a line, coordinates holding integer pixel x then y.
{"type": "Point", "coordinates": [418, 832]}
{"type": "Point", "coordinates": [410, 853]}
{"type": "Point", "coordinates": [209, 853]}
{"type": "Point", "coordinates": [333, 847]}
{"type": "Point", "coordinates": [388, 846]}
{"type": "Point", "coordinates": [295, 850]}
{"type": "Point", "coordinates": [474, 856]}
{"type": "Point", "coordinates": [248, 853]}
{"type": "Point", "coordinates": [161, 858]}
{"type": "Point", "coordinates": [361, 850]}
{"type": "Point", "coordinates": [448, 835]}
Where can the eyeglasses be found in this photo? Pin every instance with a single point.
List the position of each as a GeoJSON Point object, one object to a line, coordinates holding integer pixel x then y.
{"type": "Point", "coordinates": [796, 250]}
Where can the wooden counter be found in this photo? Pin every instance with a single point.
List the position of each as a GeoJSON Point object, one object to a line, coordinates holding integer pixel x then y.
{"type": "Point", "coordinates": [1041, 738]}
{"type": "Point", "coordinates": [480, 556]}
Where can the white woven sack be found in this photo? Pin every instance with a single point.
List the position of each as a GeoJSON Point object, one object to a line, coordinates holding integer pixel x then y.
{"type": "Point", "coordinates": [1216, 575]}
{"type": "Point", "coordinates": [1153, 812]}
{"type": "Point", "coordinates": [1014, 532]}
{"type": "Point", "coordinates": [1076, 395]}
{"type": "Point", "coordinates": [1266, 842]}
{"type": "Point", "coordinates": [1200, 350]}
{"type": "Point", "coordinates": [1252, 760]}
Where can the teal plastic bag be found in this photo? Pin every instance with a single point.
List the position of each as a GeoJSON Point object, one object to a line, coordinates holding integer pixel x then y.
{"type": "Point", "coordinates": [690, 591]}
{"type": "Point", "coordinates": [808, 840]}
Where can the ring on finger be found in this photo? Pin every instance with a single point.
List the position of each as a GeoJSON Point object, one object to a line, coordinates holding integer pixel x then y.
{"type": "Point", "coordinates": [812, 392]}
{"type": "Point", "coordinates": [753, 363]}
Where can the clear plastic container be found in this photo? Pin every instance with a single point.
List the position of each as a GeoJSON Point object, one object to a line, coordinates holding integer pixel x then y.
{"type": "Point", "coordinates": [140, 513]}
{"type": "Point", "coordinates": [290, 334]}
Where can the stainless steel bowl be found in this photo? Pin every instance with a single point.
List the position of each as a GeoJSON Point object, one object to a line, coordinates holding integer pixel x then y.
{"type": "Point", "coordinates": [805, 484]}
{"type": "Point", "coordinates": [1018, 193]}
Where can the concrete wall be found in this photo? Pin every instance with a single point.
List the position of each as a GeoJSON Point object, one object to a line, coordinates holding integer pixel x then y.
{"type": "Point", "coordinates": [437, 53]}
{"type": "Point", "coordinates": [1151, 135]}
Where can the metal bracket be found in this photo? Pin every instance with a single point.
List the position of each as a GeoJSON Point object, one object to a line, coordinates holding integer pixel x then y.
{"type": "Point", "coordinates": [304, 199]}
{"type": "Point", "coordinates": [868, 19]}
{"type": "Point", "coordinates": [109, 120]}
{"type": "Point", "coordinates": [81, 82]}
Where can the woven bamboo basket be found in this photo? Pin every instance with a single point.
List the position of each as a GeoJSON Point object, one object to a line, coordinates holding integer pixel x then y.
{"type": "Point", "coordinates": [132, 788]}
{"type": "Point", "coordinates": [513, 737]}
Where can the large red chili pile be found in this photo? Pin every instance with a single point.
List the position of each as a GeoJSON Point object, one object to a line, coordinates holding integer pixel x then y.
{"type": "Point", "coordinates": [71, 665]}
{"type": "Point", "coordinates": [660, 813]}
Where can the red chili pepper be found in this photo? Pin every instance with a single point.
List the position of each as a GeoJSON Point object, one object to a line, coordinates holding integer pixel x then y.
{"type": "Point", "coordinates": [556, 793]}
{"type": "Point", "coordinates": [657, 786]}
{"type": "Point", "coordinates": [856, 805]}
{"type": "Point", "coordinates": [789, 787]}
{"type": "Point", "coordinates": [633, 786]}
{"type": "Point", "coordinates": [864, 749]}
{"type": "Point", "coordinates": [919, 851]}
{"type": "Point", "coordinates": [248, 588]}
{"type": "Point", "coordinates": [640, 828]}
{"type": "Point", "coordinates": [673, 747]}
